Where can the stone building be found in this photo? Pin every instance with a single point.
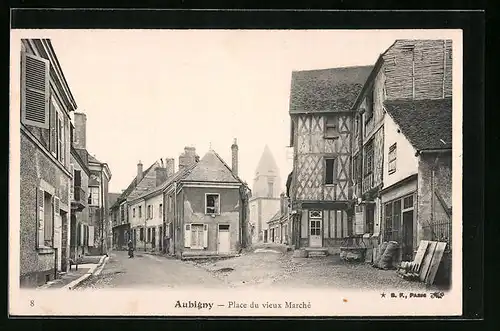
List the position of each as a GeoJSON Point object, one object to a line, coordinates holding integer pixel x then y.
{"type": "Point", "coordinates": [265, 200]}
{"type": "Point", "coordinates": [409, 87]}
{"type": "Point", "coordinates": [121, 210]}
{"type": "Point", "coordinates": [45, 171]}
{"type": "Point", "coordinates": [205, 206]}
{"type": "Point", "coordinates": [98, 231]}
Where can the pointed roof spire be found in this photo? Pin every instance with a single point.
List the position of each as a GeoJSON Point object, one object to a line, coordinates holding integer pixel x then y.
{"type": "Point", "coordinates": [267, 163]}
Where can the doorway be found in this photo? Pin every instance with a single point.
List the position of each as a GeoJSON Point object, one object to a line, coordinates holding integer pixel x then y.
{"type": "Point", "coordinates": [407, 239]}
{"type": "Point", "coordinates": [153, 237]}
{"type": "Point", "coordinates": [224, 244]}
{"type": "Point", "coordinates": [315, 239]}
{"type": "Point", "coordinates": [265, 236]}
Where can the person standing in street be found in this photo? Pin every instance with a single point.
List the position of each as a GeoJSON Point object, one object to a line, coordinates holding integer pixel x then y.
{"type": "Point", "coordinates": [130, 249]}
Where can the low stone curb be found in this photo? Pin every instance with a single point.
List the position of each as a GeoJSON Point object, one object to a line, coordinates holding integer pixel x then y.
{"type": "Point", "coordinates": [93, 271]}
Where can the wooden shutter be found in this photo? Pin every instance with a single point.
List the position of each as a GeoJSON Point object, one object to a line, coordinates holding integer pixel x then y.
{"type": "Point", "coordinates": [35, 90]}
{"type": "Point", "coordinates": [205, 235]}
{"type": "Point", "coordinates": [73, 184]}
{"type": "Point", "coordinates": [57, 223]}
{"type": "Point", "coordinates": [40, 238]}
{"type": "Point", "coordinates": [53, 128]}
{"type": "Point", "coordinates": [187, 235]}
{"type": "Point", "coordinates": [91, 236]}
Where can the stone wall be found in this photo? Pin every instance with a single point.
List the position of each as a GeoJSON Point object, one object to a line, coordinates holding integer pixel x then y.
{"type": "Point", "coordinates": [36, 265]}
{"type": "Point", "coordinates": [430, 208]}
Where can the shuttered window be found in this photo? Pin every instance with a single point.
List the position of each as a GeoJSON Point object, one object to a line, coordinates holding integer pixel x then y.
{"type": "Point", "coordinates": [40, 238]}
{"type": "Point", "coordinates": [198, 236]}
{"type": "Point", "coordinates": [331, 127]}
{"type": "Point", "coordinates": [49, 211]}
{"type": "Point", "coordinates": [35, 91]}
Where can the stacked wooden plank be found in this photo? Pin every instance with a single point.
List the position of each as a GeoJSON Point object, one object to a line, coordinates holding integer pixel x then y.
{"type": "Point", "coordinates": [426, 263]}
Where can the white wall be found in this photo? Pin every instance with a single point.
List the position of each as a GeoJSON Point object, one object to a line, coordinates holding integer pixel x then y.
{"type": "Point", "coordinates": [157, 219]}
{"type": "Point", "coordinates": [135, 220]}
{"type": "Point", "coordinates": [406, 161]}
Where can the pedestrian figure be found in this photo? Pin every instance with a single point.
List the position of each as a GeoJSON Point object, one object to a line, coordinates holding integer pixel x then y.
{"type": "Point", "coordinates": [130, 249]}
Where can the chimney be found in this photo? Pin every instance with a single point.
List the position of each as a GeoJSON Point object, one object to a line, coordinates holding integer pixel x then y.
{"type": "Point", "coordinates": [188, 158]}
{"type": "Point", "coordinates": [139, 172]}
{"type": "Point", "coordinates": [80, 134]}
{"type": "Point", "coordinates": [170, 166]}
{"type": "Point", "coordinates": [234, 157]}
{"type": "Point", "coordinates": [161, 175]}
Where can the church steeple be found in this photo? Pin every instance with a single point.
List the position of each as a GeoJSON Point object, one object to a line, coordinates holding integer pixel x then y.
{"type": "Point", "coordinates": [267, 181]}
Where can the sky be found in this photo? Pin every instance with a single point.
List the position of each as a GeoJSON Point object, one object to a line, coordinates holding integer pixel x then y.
{"type": "Point", "coordinates": [149, 93]}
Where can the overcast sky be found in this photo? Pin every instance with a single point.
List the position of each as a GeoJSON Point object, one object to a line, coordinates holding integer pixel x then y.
{"type": "Point", "coordinates": [147, 94]}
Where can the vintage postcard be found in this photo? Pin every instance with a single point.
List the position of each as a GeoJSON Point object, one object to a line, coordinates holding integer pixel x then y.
{"type": "Point", "coordinates": [236, 172]}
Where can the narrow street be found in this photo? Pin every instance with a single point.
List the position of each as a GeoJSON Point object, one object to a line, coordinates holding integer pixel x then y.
{"type": "Point", "coordinates": [255, 269]}
{"type": "Point", "coordinates": [146, 270]}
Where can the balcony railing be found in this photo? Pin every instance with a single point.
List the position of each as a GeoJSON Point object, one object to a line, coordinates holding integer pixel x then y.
{"type": "Point", "coordinates": [78, 198]}
{"type": "Point", "coordinates": [367, 182]}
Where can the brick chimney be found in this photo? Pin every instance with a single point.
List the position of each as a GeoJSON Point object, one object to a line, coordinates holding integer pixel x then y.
{"type": "Point", "coordinates": [188, 158]}
{"type": "Point", "coordinates": [170, 166]}
{"type": "Point", "coordinates": [80, 131]}
{"type": "Point", "coordinates": [234, 157]}
{"type": "Point", "coordinates": [139, 172]}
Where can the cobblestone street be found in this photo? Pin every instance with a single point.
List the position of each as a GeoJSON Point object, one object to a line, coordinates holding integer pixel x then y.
{"type": "Point", "coordinates": [256, 269]}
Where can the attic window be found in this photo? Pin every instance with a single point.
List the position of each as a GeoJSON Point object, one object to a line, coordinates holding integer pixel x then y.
{"type": "Point", "coordinates": [212, 204]}
{"type": "Point", "coordinates": [331, 127]}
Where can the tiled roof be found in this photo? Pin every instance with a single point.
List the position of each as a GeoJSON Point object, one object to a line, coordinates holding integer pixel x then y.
{"type": "Point", "coordinates": [275, 217]}
{"type": "Point", "coordinates": [175, 177]}
{"type": "Point", "coordinates": [212, 168]}
{"type": "Point", "coordinates": [427, 124]}
{"type": "Point", "coordinates": [131, 187]}
{"type": "Point", "coordinates": [113, 197]}
{"type": "Point", "coordinates": [326, 90]}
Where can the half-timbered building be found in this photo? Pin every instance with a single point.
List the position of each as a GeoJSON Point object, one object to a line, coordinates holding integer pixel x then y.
{"type": "Point", "coordinates": [385, 166]}
{"type": "Point", "coordinates": [320, 187]}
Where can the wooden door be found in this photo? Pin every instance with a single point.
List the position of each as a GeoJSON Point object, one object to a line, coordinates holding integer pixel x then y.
{"type": "Point", "coordinates": [407, 239]}
{"type": "Point", "coordinates": [224, 244]}
{"type": "Point", "coordinates": [153, 237]}
{"type": "Point", "coordinates": [315, 238]}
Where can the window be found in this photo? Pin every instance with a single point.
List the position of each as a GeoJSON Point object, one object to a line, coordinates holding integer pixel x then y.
{"type": "Point", "coordinates": [331, 127]}
{"type": "Point", "coordinates": [160, 210]}
{"type": "Point", "coordinates": [408, 202]}
{"type": "Point", "coordinates": [148, 216]}
{"type": "Point", "coordinates": [35, 91]}
{"type": "Point", "coordinates": [60, 138]}
{"type": "Point", "coordinates": [369, 106]}
{"type": "Point", "coordinates": [330, 173]}
{"type": "Point", "coordinates": [141, 234]}
{"type": "Point", "coordinates": [149, 235]}
{"type": "Point", "coordinates": [369, 156]}
{"type": "Point", "coordinates": [392, 220]}
{"type": "Point", "coordinates": [356, 126]}
{"type": "Point", "coordinates": [196, 236]}
{"type": "Point", "coordinates": [78, 178]}
{"type": "Point", "coordinates": [133, 212]}
{"type": "Point", "coordinates": [94, 196]}
{"type": "Point", "coordinates": [315, 214]}
{"type": "Point", "coordinates": [392, 159]}
{"type": "Point", "coordinates": [270, 189]}
{"type": "Point", "coordinates": [140, 211]}
{"type": "Point", "coordinates": [212, 203]}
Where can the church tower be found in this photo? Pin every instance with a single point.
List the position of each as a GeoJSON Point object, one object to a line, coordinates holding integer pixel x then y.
{"type": "Point", "coordinates": [265, 201]}
{"type": "Point", "coordinates": [267, 181]}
